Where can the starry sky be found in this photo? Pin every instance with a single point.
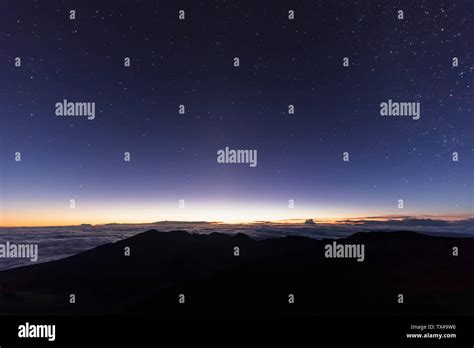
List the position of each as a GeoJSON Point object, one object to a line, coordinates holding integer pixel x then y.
{"type": "Point", "coordinates": [190, 62]}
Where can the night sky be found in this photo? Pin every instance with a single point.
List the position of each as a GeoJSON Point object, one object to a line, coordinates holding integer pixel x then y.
{"type": "Point", "coordinates": [191, 62]}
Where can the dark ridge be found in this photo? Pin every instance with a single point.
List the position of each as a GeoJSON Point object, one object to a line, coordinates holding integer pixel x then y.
{"type": "Point", "coordinates": [254, 284]}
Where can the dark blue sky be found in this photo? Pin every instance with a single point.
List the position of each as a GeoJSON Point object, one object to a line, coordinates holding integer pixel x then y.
{"type": "Point", "coordinates": [190, 62]}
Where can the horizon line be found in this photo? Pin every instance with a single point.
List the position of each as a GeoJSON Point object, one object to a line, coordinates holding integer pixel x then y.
{"type": "Point", "coordinates": [336, 221]}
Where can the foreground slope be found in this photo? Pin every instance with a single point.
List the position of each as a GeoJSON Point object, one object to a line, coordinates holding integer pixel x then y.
{"type": "Point", "coordinates": [255, 284]}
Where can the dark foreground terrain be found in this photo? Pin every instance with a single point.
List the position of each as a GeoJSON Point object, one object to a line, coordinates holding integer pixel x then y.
{"type": "Point", "coordinates": [255, 284]}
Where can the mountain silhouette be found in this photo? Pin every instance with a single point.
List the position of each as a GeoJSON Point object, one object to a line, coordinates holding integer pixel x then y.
{"type": "Point", "coordinates": [255, 284]}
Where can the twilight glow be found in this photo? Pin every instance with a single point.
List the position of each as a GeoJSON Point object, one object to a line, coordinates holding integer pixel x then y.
{"type": "Point", "coordinates": [174, 155]}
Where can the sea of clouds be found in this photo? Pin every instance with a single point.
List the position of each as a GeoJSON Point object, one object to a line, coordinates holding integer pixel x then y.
{"type": "Point", "coordinates": [60, 242]}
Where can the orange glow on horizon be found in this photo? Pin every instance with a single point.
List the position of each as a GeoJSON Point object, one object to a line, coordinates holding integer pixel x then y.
{"type": "Point", "coordinates": [39, 214]}
{"type": "Point", "coordinates": [47, 220]}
